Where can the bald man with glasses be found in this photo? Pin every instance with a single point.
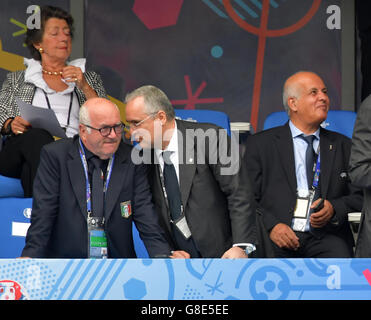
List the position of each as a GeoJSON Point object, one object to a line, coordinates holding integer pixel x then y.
{"type": "Point", "coordinates": [88, 192]}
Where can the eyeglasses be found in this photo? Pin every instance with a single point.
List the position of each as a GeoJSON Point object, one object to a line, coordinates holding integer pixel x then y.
{"type": "Point", "coordinates": [136, 124]}
{"type": "Point", "coordinates": [106, 131]}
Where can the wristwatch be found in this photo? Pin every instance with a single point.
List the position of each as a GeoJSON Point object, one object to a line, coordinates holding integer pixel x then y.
{"type": "Point", "coordinates": [248, 248]}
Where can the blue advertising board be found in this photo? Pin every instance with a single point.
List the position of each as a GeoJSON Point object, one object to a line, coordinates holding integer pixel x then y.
{"type": "Point", "coordinates": [187, 280]}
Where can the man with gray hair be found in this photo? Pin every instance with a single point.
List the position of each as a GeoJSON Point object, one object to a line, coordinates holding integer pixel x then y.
{"type": "Point", "coordinates": [88, 192]}
{"type": "Point", "coordinates": [300, 177]}
{"type": "Point", "coordinates": [205, 211]}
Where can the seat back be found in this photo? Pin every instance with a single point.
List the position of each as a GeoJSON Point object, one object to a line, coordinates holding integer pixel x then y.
{"type": "Point", "coordinates": [15, 216]}
{"type": "Point", "coordinates": [340, 121]}
{"type": "Point", "coordinates": [139, 247]}
{"type": "Point", "coordinates": [275, 119]}
{"type": "Point", "coordinates": [209, 116]}
{"type": "Point", "coordinates": [10, 187]}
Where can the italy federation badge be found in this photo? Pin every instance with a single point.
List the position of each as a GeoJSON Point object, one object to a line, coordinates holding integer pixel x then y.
{"type": "Point", "coordinates": [125, 209]}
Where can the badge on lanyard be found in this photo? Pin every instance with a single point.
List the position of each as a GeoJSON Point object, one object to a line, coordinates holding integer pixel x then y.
{"type": "Point", "coordinates": [97, 238]}
{"type": "Point", "coordinates": [302, 211]}
{"type": "Point", "coordinates": [303, 203]}
{"type": "Point", "coordinates": [125, 209]}
{"type": "Point", "coordinates": [182, 225]}
{"type": "Point", "coordinates": [98, 244]}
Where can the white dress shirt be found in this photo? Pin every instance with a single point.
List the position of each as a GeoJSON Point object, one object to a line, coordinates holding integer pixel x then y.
{"type": "Point", "coordinates": [173, 147]}
{"type": "Point", "coordinates": [59, 101]}
{"type": "Point", "coordinates": [300, 147]}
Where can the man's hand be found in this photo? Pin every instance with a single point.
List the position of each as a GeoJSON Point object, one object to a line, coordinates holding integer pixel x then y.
{"type": "Point", "coordinates": [322, 217]}
{"type": "Point", "coordinates": [179, 254]}
{"type": "Point", "coordinates": [284, 237]}
{"type": "Point", "coordinates": [234, 253]}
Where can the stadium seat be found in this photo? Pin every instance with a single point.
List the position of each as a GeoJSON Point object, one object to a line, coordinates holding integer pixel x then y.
{"type": "Point", "coordinates": [10, 187]}
{"type": "Point", "coordinates": [341, 121]}
{"type": "Point", "coordinates": [14, 221]}
{"type": "Point", "coordinates": [139, 247]}
{"type": "Point", "coordinates": [210, 116]}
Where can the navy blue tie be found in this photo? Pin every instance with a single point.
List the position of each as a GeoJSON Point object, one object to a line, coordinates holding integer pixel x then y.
{"type": "Point", "coordinates": [172, 186]}
{"type": "Point", "coordinates": [309, 158]}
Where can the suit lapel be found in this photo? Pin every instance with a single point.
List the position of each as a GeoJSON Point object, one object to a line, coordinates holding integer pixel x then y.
{"type": "Point", "coordinates": [327, 153]}
{"type": "Point", "coordinates": [285, 147]}
{"type": "Point", "coordinates": [187, 166]}
{"type": "Point", "coordinates": [119, 171]}
{"type": "Point", "coordinates": [77, 176]}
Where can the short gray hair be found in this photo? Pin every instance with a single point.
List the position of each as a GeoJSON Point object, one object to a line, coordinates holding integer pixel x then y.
{"type": "Point", "coordinates": [84, 117]}
{"type": "Point", "coordinates": [154, 100]}
{"type": "Point", "coordinates": [289, 91]}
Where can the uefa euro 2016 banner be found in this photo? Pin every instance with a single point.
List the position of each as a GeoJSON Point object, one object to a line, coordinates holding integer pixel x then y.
{"type": "Point", "coordinates": [187, 280]}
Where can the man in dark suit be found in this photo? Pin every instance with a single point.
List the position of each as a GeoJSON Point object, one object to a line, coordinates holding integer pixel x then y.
{"type": "Point", "coordinates": [288, 191]}
{"type": "Point", "coordinates": [88, 192]}
{"type": "Point", "coordinates": [204, 202]}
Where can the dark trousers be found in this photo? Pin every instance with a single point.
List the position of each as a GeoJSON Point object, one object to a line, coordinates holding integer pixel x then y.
{"type": "Point", "coordinates": [328, 246]}
{"type": "Point", "coordinates": [20, 156]}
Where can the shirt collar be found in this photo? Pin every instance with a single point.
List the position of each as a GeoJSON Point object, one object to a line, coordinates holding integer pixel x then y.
{"type": "Point", "coordinates": [173, 143]}
{"type": "Point", "coordinates": [295, 132]}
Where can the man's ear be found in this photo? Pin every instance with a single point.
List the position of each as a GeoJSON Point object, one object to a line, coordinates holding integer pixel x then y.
{"type": "Point", "coordinates": [82, 131]}
{"type": "Point", "coordinates": [162, 117]}
{"type": "Point", "coordinates": [292, 103]}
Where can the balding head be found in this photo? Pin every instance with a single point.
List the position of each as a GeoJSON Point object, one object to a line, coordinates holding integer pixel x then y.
{"type": "Point", "coordinates": [95, 105]}
{"type": "Point", "coordinates": [97, 113]}
{"type": "Point", "coordinates": [306, 100]}
{"type": "Point", "coordinates": [293, 87]}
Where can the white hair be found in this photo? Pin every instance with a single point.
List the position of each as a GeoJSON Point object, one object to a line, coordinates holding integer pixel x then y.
{"type": "Point", "coordinates": [84, 117]}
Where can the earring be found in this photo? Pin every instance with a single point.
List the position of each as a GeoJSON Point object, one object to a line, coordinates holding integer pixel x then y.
{"type": "Point", "coordinates": [41, 50]}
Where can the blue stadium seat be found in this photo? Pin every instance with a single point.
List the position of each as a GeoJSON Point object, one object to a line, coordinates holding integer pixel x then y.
{"type": "Point", "coordinates": [10, 187]}
{"type": "Point", "coordinates": [341, 121]}
{"type": "Point", "coordinates": [275, 119]}
{"type": "Point", "coordinates": [139, 247]}
{"type": "Point", "coordinates": [14, 222]}
{"type": "Point", "coordinates": [210, 116]}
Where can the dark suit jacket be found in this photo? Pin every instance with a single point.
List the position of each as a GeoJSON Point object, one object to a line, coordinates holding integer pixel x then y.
{"type": "Point", "coordinates": [271, 166]}
{"type": "Point", "coordinates": [58, 222]}
{"type": "Point", "coordinates": [217, 207]}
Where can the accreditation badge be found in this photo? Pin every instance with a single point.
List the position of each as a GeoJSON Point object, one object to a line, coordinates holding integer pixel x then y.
{"type": "Point", "coordinates": [97, 239]}
{"type": "Point", "coordinates": [97, 244]}
{"type": "Point", "coordinates": [125, 209]}
{"type": "Point", "coordinates": [302, 209]}
{"type": "Point", "coordinates": [182, 225]}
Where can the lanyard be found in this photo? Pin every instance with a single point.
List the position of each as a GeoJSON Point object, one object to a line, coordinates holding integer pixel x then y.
{"type": "Point", "coordinates": [162, 182]}
{"type": "Point", "coordinates": [88, 188]}
{"type": "Point", "coordinates": [69, 108]}
{"type": "Point", "coordinates": [317, 171]}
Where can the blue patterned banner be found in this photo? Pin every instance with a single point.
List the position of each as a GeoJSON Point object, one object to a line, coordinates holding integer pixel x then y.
{"type": "Point", "coordinates": [194, 279]}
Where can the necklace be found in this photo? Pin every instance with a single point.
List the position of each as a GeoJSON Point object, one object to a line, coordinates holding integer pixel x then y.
{"type": "Point", "coordinates": [52, 73]}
